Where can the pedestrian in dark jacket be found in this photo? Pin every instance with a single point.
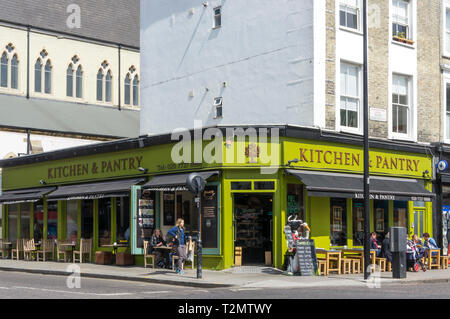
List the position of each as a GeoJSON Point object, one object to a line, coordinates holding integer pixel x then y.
{"type": "Point", "coordinates": [386, 248]}
{"type": "Point", "coordinates": [179, 240]}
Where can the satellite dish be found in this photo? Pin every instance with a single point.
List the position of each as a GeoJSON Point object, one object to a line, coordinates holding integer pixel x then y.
{"type": "Point", "coordinates": [442, 165]}
{"type": "Point", "coordinates": [195, 183]}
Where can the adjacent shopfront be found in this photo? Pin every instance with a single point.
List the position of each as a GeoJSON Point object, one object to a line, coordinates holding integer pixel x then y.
{"type": "Point", "coordinates": [117, 195]}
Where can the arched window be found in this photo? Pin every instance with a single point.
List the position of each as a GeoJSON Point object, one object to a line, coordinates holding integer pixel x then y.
{"type": "Point", "coordinates": [69, 87]}
{"type": "Point", "coordinates": [136, 91]}
{"type": "Point", "coordinates": [108, 86]}
{"type": "Point", "coordinates": [4, 70]}
{"type": "Point", "coordinates": [38, 76]}
{"type": "Point", "coordinates": [79, 82]}
{"type": "Point", "coordinates": [14, 72]}
{"type": "Point", "coordinates": [48, 77]}
{"type": "Point", "coordinates": [127, 89]}
{"type": "Point", "coordinates": [100, 85]}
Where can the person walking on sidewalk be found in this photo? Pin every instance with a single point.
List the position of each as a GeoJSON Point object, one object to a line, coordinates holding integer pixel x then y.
{"type": "Point", "coordinates": [179, 241]}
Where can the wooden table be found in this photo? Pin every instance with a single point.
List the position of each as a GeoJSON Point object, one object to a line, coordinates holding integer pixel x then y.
{"type": "Point", "coordinates": [359, 254]}
{"type": "Point", "coordinates": [331, 255]}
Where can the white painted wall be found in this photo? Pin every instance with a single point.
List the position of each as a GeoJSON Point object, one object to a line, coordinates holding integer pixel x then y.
{"type": "Point", "coordinates": [264, 51]}
{"type": "Point", "coordinates": [12, 142]}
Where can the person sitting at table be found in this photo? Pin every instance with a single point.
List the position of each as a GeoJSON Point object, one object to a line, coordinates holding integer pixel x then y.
{"type": "Point", "coordinates": [374, 244]}
{"type": "Point", "coordinates": [429, 243]}
{"type": "Point", "coordinates": [158, 240]}
{"type": "Point", "coordinates": [414, 253]}
{"type": "Point", "coordinates": [386, 248]}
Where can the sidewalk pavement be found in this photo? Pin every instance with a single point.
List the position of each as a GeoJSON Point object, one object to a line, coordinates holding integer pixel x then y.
{"type": "Point", "coordinates": [241, 277]}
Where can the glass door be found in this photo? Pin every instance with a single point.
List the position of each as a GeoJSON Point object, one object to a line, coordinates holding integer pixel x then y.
{"type": "Point", "coordinates": [253, 222]}
{"type": "Point", "coordinates": [419, 222]}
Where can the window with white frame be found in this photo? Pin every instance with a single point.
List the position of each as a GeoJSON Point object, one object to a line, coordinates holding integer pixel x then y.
{"type": "Point", "coordinates": [349, 14]}
{"type": "Point", "coordinates": [401, 20]}
{"type": "Point", "coordinates": [401, 104]}
{"type": "Point", "coordinates": [350, 95]}
{"type": "Point", "coordinates": [447, 30]}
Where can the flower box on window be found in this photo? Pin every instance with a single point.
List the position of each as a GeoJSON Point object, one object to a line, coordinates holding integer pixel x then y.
{"type": "Point", "coordinates": [400, 37]}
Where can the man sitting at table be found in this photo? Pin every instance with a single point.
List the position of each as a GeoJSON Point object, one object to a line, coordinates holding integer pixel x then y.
{"type": "Point", "coordinates": [158, 240]}
{"type": "Point", "coordinates": [429, 243]}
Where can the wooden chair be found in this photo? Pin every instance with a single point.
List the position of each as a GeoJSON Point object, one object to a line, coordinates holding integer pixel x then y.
{"type": "Point", "coordinates": [147, 255]}
{"type": "Point", "coordinates": [193, 247]}
{"type": "Point", "coordinates": [18, 250]}
{"type": "Point", "coordinates": [444, 262]}
{"type": "Point", "coordinates": [64, 250]}
{"type": "Point", "coordinates": [322, 266]}
{"type": "Point", "coordinates": [381, 262]}
{"type": "Point", "coordinates": [346, 266]}
{"type": "Point", "coordinates": [29, 249]}
{"type": "Point", "coordinates": [85, 249]}
{"type": "Point", "coordinates": [48, 247]}
{"type": "Point", "coordinates": [388, 266]}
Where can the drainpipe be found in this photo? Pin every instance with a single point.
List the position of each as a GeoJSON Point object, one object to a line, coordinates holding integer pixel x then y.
{"type": "Point", "coordinates": [119, 77]}
{"type": "Point", "coordinates": [28, 142]}
{"type": "Point", "coordinates": [28, 62]}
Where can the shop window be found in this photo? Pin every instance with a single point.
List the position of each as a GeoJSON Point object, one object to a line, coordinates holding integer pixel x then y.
{"type": "Point", "coordinates": [87, 213]}
{"type": "Point", "coordinates": [264, 185]}
{"type": "Point", "coordinates": [381, 218]}
{"type": "Point", "coordinates": [338, 231]}
{"type": "Point", "coordinates": [169, 208]}
{"type": "Point", "coordinates": [104, 221]}
{"type": "Point", "coordinates": [13, 212]}
{"type": "Point", "coordinates": [52, 220]}
{"type": "Point", "coordinates": [210, 217]}
{"type": "Point", "coordinates": [123, 219]}
{"type": "Point", "coordinates": [38, 221]}
{"type": "Point", "coordinates": [401, 214]}
{"type": "Point", "coordinates": [72, 220]}
{"type": "Point", "coordinates": [358, 223]}
{"type": "Point", "coordinates": [295, 201]}
{"type": "Point", "coordinates": [25, 214]}
{"type": "Point", "coordinates": [241, 186]}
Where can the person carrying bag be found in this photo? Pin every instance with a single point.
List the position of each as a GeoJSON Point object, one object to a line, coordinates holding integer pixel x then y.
{"type": "Point", "coordinates": [177, 237]}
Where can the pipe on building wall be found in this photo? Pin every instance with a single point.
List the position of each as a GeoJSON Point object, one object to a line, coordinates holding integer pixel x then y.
{"type": "Point", "coordinates": [28, 61]}
{"type": "Point", "coordinates": [119, 77]}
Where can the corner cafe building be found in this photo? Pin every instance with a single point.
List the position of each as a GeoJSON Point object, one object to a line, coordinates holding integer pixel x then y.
{"type": "Point", "coordinates": [99, 192]}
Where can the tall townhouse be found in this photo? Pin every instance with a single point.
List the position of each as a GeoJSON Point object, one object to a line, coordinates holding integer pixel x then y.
{"type": "Point", "coordinates": [69, 74]}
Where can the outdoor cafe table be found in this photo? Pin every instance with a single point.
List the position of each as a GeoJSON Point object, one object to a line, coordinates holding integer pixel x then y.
{"type": "Point", "coordinates": [331, 255]}
{"type": "Point", "coordinates": [359, 254]}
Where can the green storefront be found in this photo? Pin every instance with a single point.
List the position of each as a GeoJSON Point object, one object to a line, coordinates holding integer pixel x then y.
{"type": "Point", "coordinates": [120, 191]}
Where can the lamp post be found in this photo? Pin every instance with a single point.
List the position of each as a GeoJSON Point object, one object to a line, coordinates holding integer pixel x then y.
{"type": "Point", "coordinates": [196, 184]}
{"type": "Point", "coordinates": [366, 150]}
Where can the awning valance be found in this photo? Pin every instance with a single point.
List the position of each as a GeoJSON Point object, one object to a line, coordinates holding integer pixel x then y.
{"type": "Point", "coordinates": [30, 195]}
{"type": "Point", "coordinates": [174, 182]}
{"type": "Point", "coordinates": [118, 188]}
{"type": "Point", "coordinates": [324, 184]}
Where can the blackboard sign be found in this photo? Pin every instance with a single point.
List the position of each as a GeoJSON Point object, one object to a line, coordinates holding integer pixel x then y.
{"type": "Point", "coordinates": [209, 217]}
{"type": "Point", "coordinates": [306, 257]}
